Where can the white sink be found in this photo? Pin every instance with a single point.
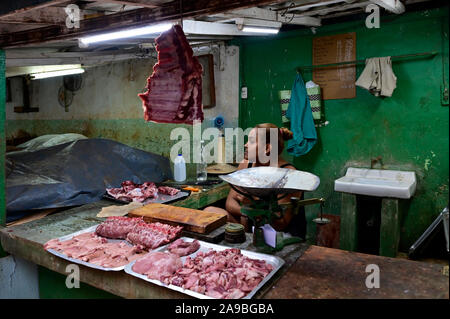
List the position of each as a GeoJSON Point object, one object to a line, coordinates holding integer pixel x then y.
{"type": "Point", "coordinates": [377, 182]}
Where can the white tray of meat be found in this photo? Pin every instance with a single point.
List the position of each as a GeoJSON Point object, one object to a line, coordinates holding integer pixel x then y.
{"type": "Point", "coordinates": [145, 193]}
{"type": "Point", "coordinates": [86, 248]}
{"type": "Point", "coordinates": [210, 271]}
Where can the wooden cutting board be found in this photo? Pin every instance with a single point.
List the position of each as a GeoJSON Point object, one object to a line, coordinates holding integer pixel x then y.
{"type": "Point", "coordinates": [193, 220]}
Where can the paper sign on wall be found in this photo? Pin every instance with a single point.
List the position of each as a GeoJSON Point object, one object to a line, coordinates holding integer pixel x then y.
{"type": "Point", "coordinates": [337, 82]}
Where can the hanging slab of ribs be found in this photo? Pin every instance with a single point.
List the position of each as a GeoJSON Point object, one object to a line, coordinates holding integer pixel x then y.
{"type": "Point", "coordinates": [174, 90]}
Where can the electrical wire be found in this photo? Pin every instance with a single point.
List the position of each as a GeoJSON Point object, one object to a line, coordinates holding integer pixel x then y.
{"type": "Point", "coordinates": [283, 14]}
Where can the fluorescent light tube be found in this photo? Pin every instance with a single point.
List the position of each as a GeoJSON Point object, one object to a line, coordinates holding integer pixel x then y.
{"type": "Point", "coordinates": [44, 75]}
{"type": "Point", "coordinates": [260, 30]}
{"type": "Point", "coordinates": [156, 28]}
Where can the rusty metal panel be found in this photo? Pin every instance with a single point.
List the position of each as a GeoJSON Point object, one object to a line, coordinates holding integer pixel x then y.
{"type": "Point", "coordinates": [327, 235]}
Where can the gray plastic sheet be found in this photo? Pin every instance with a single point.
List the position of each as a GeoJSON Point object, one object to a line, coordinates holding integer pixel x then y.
{"type": "Point", "coordinates": [75, 173]}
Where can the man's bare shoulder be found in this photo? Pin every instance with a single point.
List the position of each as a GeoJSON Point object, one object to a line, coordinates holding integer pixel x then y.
{"type": "Point", "coordinates": [288, 165]}
{"type": "Point", "coordinates": [243, 164]}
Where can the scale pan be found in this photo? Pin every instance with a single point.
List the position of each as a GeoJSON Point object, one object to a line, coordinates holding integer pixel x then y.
{"type": "Point", "coordinates": [264, 181]}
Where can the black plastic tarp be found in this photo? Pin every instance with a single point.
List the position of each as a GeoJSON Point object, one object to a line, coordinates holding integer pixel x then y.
{"type": "Point", "coordinates": [75, 173]}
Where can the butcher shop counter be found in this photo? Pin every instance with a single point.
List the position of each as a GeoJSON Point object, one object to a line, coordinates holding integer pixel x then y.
{"type": "Point", "coordinates": [26, 241]}
{"type": "Point", "coordinates": [309, 271]}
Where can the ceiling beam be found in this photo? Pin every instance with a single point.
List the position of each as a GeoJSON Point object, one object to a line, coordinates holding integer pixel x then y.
{"type": "Point", "coordinates": [128, 19]}
{"type": "Point", "coordinates": [256, 13]}
{"type": "Point", "coordinates": [23, 70]}
{"type": "Point", "coordinates": [33, 54]}
{"type": "Point", "coordinates": [6, 28]}
{"type": "Point", "coordinates": [342, 14]}
{"type": "Point", "coordinates": [138, 3]}
{"type": "Point", "coordinates": [271, 15]}
{"type": "Point", "coordinates": [59, 61]}
{"type": "Point", "coordinates": [329, 10]}
{"type": "Point", "coordinates": [49, 15]}
{"type": "Point", "coordinates": [25, 57]}
{"type": "Point", "coordinates": [85, 59]}
{"type": "Point", "coordinates": [11, 8]}
{"type": "Point", "coordinates": [308, 21]}
{"type": "Point", "coordinates": [149, 39]}
{"type": "Point", "coordinates": [257, 23]}
{"type": "Point", "coordinates": [394, 6]}
{"type": "Point", "coordinates": [212, 28]}
{"type": "Point", "coordinates": [305, 5]}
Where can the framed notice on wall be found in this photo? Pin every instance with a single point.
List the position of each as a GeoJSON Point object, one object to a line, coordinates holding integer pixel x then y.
{"type": "Point", "coordinates": [337, 82]}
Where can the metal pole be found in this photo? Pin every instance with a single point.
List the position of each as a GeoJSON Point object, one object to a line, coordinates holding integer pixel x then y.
{"type": "Point", "coordinates": [306, 67]}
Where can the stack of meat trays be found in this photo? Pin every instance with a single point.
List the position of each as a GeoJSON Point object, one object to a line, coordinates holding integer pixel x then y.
{"type": "Point", "coordinates": [199, 272]}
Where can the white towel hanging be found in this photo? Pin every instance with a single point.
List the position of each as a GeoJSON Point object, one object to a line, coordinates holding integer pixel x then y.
{"type": "Point", "coordinates": [378, 77]}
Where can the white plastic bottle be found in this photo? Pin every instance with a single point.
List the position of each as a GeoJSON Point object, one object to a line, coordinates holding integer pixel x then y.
{"type": "Point", "coordinates": [179, 168]}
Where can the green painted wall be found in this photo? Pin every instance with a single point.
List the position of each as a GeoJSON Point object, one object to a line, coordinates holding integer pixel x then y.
{"type": "Point", "coordinates": [134, 132]}
{"type": "Point", "coordinates": [52, 285]}
{"type": "Point", "coordinates": [409, 130]}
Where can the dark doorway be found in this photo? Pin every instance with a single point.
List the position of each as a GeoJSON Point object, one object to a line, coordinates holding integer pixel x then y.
{"type": "Point", "coordinates": [369, 222]}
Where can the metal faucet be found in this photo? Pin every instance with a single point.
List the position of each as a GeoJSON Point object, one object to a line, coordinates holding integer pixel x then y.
{"type": "Point", "coordinates": [375, 160]}
{"type": "Point", "coordinates": [296, 203]}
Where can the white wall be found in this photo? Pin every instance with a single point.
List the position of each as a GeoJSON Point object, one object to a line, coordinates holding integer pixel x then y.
{"type": "Point", "coordinates": [227, 87]}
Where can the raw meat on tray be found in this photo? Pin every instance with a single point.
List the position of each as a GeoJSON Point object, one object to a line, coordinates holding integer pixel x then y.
{"type": "Point", "coordinates": [151, 236]}
{"type": "Point", "coordinates": [130, 191]}
{"type": "Point", "coordinates": [226, 274]}
{"type": "Point", "coordinates": [220, 274]}
{"type": "Point", "coordinates": [183, 248]}
{"type": "Point", "coordinates": [96, 250]}
{"type": "Point", "coordinates": [93, 247]}
{"type": "Point", "coordinates": [117, 227]}
{"type": "Point", "coordinates": [157, 265]}
{"type": "Point", "coordinates": [168, 190]}
{"type": "Point", "coordinates": [138, 232]}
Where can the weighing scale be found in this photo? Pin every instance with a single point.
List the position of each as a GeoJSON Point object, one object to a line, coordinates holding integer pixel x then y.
{"type": "Point", "coordinates": [264, 187]}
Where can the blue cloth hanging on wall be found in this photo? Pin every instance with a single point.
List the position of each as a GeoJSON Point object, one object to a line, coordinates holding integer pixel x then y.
{"type": "Point", "coordinates": [302, 123]}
